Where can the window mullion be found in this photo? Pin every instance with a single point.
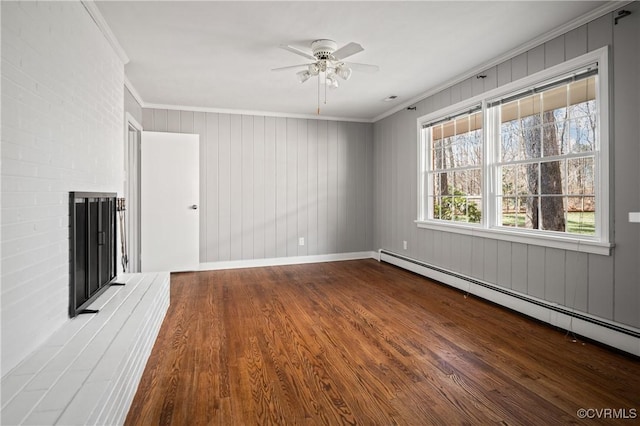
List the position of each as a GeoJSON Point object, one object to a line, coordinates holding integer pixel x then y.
{"type": "Point", "coordinates": [489, 172]}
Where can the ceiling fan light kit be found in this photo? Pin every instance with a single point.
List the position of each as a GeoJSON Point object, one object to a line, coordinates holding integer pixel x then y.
{"type": "Point", "coordinates": [328, 64]}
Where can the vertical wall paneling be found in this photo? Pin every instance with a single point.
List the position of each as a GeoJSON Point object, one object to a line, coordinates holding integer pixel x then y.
{"type": "Point", "coordinates": [200, 127]}
{"type": "Point", "coordinates": [441, 99]}
{"type": "Point", "coordinates": [313, 189]}
{"type": "Point", "coordinates": [247, 188]}
{"type": "Point", "coordinates": [535, 59]}
{"type": "Point", "coordinates": [478, 84]}
{"type": "Point", "coordinates": [348, 198]}
{"type": "Point", "coordinates": [323, 187]}
{"type": "Point", "coordinates": [342, 182]}
{"type": "Point", "coordinates": [490, 260]}
{"type": "Point", "coordinates": [554, 52]}
{"type": "Point", "coordinates": [626, 172]}
{"type": "Point", "coordinates": [332, 173]}
{"type": "Point", "coordinates": [519, 66]}
{"type": "Point", "coordinates": [491, 79]}
{"type": "Point", "coordinates": [477, 258]}
{"type": "Point", "coordinates": [302, 208]}
{"type": "Point", "coordinates": [575, 42]}
{"type": "Point", "coordinates": [504, 73]}
{"type": "Point", "coordinates": [187, 122]}
{"type": "Point", "coordinates": [426, 244]}
{"type": "Point", "coordinates": [159, 120]}
{"type": "Point", "coordinates": [577, 281]}
{"type": "Point", "coordinates": [519, 273]}
{"type": "Point", "coordinates": [210, 199]}
{"type": "Point", "coordinates": [554, 275]}
{"type": "Point", "coordinates": [389, 187]}
{"type": "Point", "coordinates": [466, 88]}
{"type": "Point", "coordinates": [270, 189]}
{"type": "Point", "coordinates": [600, 32]}
{"type": "Point", "coordinates": [281, 187]}
{"type": "Point", "coordinates": [535, 268]}
{"type": "Point", "coordinates": [438, 257]}
{"type": "Point", "coordinates": [404, 214]}
{"type": "Point", "coordinates": [456, 93]}
{"type": "Point", "coordinates": [601, 286]}
{"type": "Point", "coordinates": [503, 277]}
{"type": "Point", "coordinates": [292, 188]}
{"type": "Point", "coordinates": [235, 186]}
{"type": "Point", "coordinates": [445, 250]}
{"type": "Point", "coordinates": [259, 187]}
{"type": "Point", "coordinates": [173, 121]}
{"type": "Point", "coordinates": [370, 181]}
{"type": "Point", "coordinates": [466, 253]}
{"type": "Point", "coordinates": [392, 219]}
{"type": "Point", "coordinates": [224, 187]}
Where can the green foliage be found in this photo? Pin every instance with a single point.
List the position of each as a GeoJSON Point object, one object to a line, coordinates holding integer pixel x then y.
{"type": "Point", "coordinates": [457, 207]}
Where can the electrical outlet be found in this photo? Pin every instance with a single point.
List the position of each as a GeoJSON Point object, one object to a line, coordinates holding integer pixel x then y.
{"type": "Point", "coordinates": [634, 217]}
{"type": "Point", "coordinates": [301, 241]}
{"type": "Point", "coordinates": [404, 245]}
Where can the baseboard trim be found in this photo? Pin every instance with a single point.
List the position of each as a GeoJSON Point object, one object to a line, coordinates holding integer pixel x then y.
{"type": "Point", "coordinates": [616, 335]}
{"type": "Point", "coordinates": [293, 260]}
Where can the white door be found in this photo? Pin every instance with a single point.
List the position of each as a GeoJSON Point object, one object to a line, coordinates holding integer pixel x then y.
{"type": "Point", "coordinates": [169, 202]}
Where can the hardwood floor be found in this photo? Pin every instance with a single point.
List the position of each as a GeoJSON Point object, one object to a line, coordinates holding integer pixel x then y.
{"type": "Point", "coordinates": [362, 342]}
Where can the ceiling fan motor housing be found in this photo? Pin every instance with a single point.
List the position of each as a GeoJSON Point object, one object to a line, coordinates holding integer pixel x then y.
{"type": "Point", "coordinates": [323, 49]}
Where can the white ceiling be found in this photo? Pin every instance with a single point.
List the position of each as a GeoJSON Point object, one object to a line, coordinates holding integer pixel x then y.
{"type": "Point", "coordinates": [219, 55]}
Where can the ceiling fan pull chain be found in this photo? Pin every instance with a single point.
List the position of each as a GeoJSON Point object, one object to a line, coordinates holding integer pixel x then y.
{"type": "Point", "coordinates": [318, 96]}
{"type": "Point", "coordinates": [325, 86]}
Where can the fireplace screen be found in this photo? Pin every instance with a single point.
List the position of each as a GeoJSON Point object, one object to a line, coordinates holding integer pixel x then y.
{"type": "Point", "coordinates": [92, 246]}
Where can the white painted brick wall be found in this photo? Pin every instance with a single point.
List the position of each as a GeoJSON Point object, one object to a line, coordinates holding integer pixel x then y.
{"type": "Point", "coordinates": [62, 130]}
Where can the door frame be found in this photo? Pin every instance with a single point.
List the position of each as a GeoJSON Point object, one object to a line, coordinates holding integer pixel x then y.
{"type": "Point", "coordinates": [133, 136]}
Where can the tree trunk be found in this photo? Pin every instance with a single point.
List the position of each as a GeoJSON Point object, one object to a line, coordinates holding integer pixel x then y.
{"type": "Point", "coordinates": [551, 179]}
{"type": "Point", "coordinates": [531, 140]}
{"type": "Point", "coordinates": [551, 208]}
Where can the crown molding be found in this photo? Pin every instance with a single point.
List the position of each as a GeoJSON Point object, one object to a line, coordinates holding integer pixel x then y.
{"type": "Point", "coordinates": [596, 13]}
{"type": "Point", "coordinates": [100, 22]}
{"type": "Point", "coordinates": [255, 112]}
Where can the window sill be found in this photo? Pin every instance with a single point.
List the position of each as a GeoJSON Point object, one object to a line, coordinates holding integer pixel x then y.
{"type": "Point", "coordinates": [521, 236]}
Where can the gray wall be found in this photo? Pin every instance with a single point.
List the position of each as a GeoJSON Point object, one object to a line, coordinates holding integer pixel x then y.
{"type": "Point", "coordinates": [267, 181]}
{"type": "Point", "coordinates": [606, 286]}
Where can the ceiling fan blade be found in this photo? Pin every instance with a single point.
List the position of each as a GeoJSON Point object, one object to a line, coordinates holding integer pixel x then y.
{"type": "Point", "coordinates": [347, 50]}
{"type": "Point", "coordinates": [290, 67]}
{"type": "Point", "coordinates": [363, 67]}
{"type": "Point", "coordinates": [297, 51]}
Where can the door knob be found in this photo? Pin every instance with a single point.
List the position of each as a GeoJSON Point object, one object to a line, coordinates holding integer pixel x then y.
{"type": "Point", "coordinates": [194, 207]}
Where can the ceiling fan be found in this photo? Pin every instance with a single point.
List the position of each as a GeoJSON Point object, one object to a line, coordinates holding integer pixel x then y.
{"type": "Point", "coordinates": [328, 63]}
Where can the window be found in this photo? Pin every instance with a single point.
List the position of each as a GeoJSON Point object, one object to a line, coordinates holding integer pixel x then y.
{"type": "Point", "coordinates": [455, 173]}
{"type": "Point", "coordinates": [546, 164]}
{"type": "Point", "coordinates": [527, 162]}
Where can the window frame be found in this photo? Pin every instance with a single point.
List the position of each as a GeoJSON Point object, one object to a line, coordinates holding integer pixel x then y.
{"type": "Point", "coordinates": [488, 227]}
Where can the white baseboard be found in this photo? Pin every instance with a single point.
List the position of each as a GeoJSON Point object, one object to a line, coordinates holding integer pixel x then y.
{"type": "Point", "coordinates": [616, 335]}
{"type": "Point", "coordinates": [294, 260]}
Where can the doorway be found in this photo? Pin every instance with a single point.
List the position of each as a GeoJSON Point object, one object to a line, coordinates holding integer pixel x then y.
{"type": "Point", "coordinates": [132, 194]}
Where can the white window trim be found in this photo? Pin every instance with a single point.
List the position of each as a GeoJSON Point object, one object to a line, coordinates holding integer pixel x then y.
{"type": "Point", "coordinates": [600, 244]}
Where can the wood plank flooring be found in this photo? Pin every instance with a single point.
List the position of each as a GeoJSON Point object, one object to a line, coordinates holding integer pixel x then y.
{"type": "Point", "coordinates": [362, 342]}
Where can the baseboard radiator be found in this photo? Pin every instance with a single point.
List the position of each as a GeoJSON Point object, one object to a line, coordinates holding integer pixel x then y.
{"type": "Point", "coordinates": [619, 336]}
